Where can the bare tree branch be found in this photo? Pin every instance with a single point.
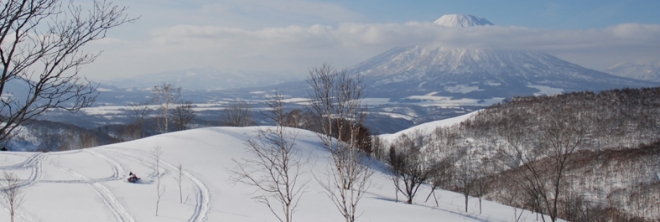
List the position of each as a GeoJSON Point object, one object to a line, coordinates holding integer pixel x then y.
{"type": "Point", "coordinates": [237, 114]}
{"type": "Point", "coordinates": [41, 54]}
{"type": "Point", "coordinates": [165, 96]}
{"type": "Point", "coordinates": [183, 115]}
{"type": "Point", "coordinates": [336, 98]}
{"type": "Point", "coordinates": [12, 193]}
{"type": "Point", "coordinates": [275, 166]}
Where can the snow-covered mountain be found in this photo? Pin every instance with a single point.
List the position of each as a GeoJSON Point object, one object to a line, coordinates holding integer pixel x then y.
{"type": "Point", "coordinates": [648, 71]}
{"type": "Point", "coordinates": [420, 83]}
{"type": "Point", "coordinates": [201, 79]}
{"type": "Point", "coordinates": [479, 73]}
{"type": "Point", "coordinates": [462, 20]}
{"type": "Point", "coordinates": [424, 71]}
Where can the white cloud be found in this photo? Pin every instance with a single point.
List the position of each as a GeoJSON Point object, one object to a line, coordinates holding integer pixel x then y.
{"type": "Point", "coordinates": [284, 10]}
{"type": "Point", "coordinates": [295, 48]}
{"type": "Point", "coordinates": [357, 34]}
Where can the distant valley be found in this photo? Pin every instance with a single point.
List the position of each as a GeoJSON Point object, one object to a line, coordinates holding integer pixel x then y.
{"type": "Point", "coordinates": [406, 85]}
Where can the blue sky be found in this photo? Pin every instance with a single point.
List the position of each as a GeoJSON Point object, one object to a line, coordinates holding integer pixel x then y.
{"type": "Point", "coordinates": [529, 13]}
{"type": "Point", "coordinates": [287, 37]}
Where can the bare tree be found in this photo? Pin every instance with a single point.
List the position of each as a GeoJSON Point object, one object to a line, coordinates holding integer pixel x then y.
{"type": "Point", "coordinates": [166, 96]}
{"type": "Point", "coordinates": [88, 140]}
{"type": "Point", "coordinates": [237, 114]}
{"type": "Point", "coordinates": [336, 98]}
{"type": "Point", "coordinates": [179, 178]}
{"type": "Point", "coordinates": [157, 154]}
{"type": "Point", "coordinates": [378, 146]}
{"type": "Point", "coordinates": [442, 173]}
{"type": "Point", "coordinates": [12, 192]}
{"type": "Point", "coordinates": [481, 187]}
{"type": "Point", "coordinates": [275, 166]}
{"type": "Point", "coordinates": [298, 119]}
{"type": "Point", "coordinates": [443, 143]}
{"type": "Point", "coordinates": [183, 115]}
{"type": "Point", "coordinates": [465, 179]}
{"type": "Point", "coordinates": [408, 164]}
{"type": "Point", "coordinates": [511, 193]}
{"type": "Point", "coordinates": [41, 56]}
{"type": "Point", "coordinates": [139, 112]}
{"type": "Point", "coordinates": [543, 155]}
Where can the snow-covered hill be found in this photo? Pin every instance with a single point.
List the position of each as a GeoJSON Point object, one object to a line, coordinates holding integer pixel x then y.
{"type": "Point", "coordinates": [427, 128]}
{"type": "Point", "coordinates": [647, 71]}
{"type": "Point", "coordinates": [617, 155]}
{"type": "Point", "coordinates": [89, 185]}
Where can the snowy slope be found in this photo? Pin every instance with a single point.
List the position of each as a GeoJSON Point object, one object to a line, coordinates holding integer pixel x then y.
{"type": "Point", "coordinates": [88, 185]}
{"type": "Point", "coordinates": [648, 71]}
{"type": "Point", "coordinates": [428, 128]}
{"type": "Point", "coordinates": [479, 73]}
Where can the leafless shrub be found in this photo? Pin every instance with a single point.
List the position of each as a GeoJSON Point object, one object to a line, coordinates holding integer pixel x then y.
{"type": "Point", "coordinates": [237, 114]}
{"type": "Point", "coordinates": [12, 193]}
{"type": "Point", "coordinates": [183, 115]}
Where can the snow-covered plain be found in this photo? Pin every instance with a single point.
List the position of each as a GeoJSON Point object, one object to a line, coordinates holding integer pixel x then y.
{"type": "Point", "coordinates": [89, 184]}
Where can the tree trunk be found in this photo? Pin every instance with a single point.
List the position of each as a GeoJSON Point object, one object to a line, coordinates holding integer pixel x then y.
{"type": "Point", "coordinates": [466, 203]}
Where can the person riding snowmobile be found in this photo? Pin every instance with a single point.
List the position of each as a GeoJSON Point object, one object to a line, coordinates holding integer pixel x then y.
{"type": "Point", "coordinates": [132, 177]}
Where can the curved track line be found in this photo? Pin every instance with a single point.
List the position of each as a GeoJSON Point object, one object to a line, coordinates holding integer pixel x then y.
{"type": "Point", "coordinates": [25, 164]}
{"type": "Point", "coordinates": [117, 170]}
{"type": "Point", "coordinates": [106, 195]}
{"type": "Point", "coordinates": [203, 198]}
{"type": "Point", "coordinates": [34, 162]}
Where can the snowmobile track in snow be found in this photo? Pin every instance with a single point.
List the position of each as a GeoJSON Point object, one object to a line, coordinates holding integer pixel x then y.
{"type": "Point", "coordinates": [202, 196]}
{"type": "Point", "coordinates": [117, 171]}
{"type": "Point", "coordinates": [34, 162]}
{"type": "Point", "coordinates": [203, 202]}
{"type": "Point", "coordinates": [117, 210]}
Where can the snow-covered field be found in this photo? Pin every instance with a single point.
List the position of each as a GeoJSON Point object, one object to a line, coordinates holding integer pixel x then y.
{"type": "Point", "coordinates": [89, 185]}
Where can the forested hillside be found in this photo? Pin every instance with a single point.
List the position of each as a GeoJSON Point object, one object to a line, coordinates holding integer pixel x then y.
{"type": "Point", "coordinates": [581, 156]}
{"type": "Point", "coordinates": [40, 135]}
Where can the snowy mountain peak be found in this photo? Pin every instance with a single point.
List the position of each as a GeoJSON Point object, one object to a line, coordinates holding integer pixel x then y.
{"type": "Point", "coordinates": [406, 72]}
{"type": "Point", "coordinates": [462, 20]}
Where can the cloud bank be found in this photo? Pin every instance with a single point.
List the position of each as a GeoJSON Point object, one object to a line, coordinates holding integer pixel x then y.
{"type": "Point", "coordinates": [294, 49]}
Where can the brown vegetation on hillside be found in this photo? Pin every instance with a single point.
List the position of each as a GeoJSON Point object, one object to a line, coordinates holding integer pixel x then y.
{"type": "Point", "coordinates": [578, 156]}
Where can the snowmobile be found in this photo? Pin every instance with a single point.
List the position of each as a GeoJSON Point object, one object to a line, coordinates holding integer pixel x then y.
{"type": "Point", "coordinates": [132, 177]}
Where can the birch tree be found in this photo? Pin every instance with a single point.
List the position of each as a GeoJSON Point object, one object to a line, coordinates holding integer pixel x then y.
{"type": "Point", "coordinates": [12, 193]}
{"type": "Point", "coordinates": [166, 96]}
{"type": "Point", "coordinates": [275, 165]}
{"type": "Point", "coordinates": [336, 98]}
